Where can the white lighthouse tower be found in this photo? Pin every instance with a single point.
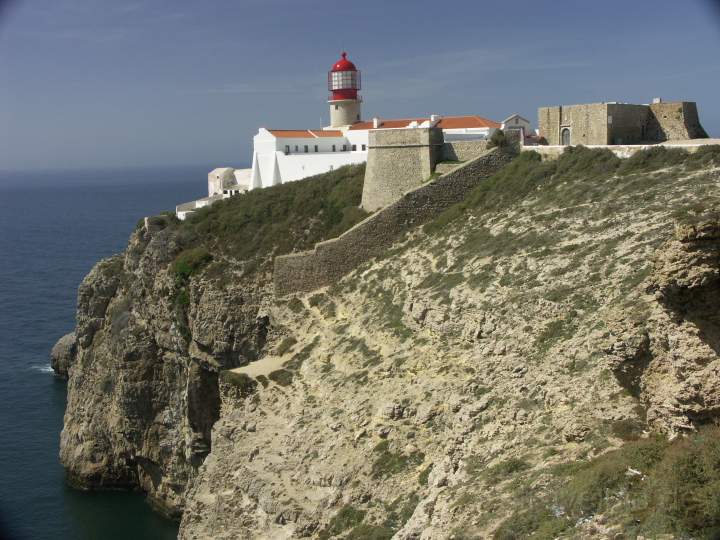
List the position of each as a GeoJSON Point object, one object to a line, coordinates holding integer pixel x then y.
{"type": "Point", "coordinates": [344, 83]}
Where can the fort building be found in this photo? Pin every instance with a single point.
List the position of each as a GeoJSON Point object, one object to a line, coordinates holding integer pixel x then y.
{"type": "Point", "coordinates": [286, 155]}
{"type": "Point", "coordinates": [620, 123]}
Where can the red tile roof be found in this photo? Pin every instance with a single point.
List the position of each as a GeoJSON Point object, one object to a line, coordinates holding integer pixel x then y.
{"type": "Point", "coordinates": [304, 133]}
{"type": "Point", "coordinates": [446, 122]}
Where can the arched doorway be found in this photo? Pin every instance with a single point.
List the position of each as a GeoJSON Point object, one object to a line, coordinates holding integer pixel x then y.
{"type": "Point", "coordinates": [565, 137]}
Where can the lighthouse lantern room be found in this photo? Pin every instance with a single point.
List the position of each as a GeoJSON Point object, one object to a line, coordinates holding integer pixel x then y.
{"type": "Point", "coordinates": [344, 83]}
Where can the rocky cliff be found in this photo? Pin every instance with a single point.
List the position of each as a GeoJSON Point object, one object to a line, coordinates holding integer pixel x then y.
{"type": "Point", "coordinates": [539, 360]}
{"type": "Point", "coordinates": [157, 323]}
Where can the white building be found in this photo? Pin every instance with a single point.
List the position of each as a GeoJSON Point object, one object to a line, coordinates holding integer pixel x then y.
{"type": "Point", "coordinates": [515, 121]}
{"type": "Point", "coordinates": [285, 155]}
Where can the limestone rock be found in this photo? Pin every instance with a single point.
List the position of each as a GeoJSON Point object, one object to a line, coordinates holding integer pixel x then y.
{"type": "Point", "coordinates": [63, 354]}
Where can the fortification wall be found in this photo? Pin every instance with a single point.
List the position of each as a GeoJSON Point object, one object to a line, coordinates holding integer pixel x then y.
{"type": "Point", "coordinates": [463, 150]}
{"type": "Point", "coordinates": [621, 123]}
{"type": "Point", "coordinates": [674, 121]}
{"type": "Point", "coordinates": [398, 160]}
{"type": "Point", "coordinates": [587, 123]}
{"type": "Point", "coordinates": [627, 123]}
{"type": "Point", "coordinates": [549, 124]}
{"type": "Point", "coordinates": [332, 259]}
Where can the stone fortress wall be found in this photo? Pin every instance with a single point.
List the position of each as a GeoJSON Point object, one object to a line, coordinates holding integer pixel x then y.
{"type": "Point", "coordinates": [675, 121]}
{"type": "Point", "coordinates": [463, 150]}
{"type": "Point", "coordinates": [621, 123]}
{"type": "Point", "coordinates": [332, 259]}
{"type": "Point", "coordinates": [406, 156]}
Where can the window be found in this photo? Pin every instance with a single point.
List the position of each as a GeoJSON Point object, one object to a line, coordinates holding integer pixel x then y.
{"type": "Point", "coordinates": [344, 147]}
{"type": "Point", "coordinates": [316, 147]}
{"type": "Point", "coordinates": [333, 148]}
{"type": "Point", "coordinates": [364, 147]}
{"type": "Point", "coordinates": [565, 136]}
{"type": "Point", "coordinates": [344, 79]}
{"type": "Point", "coordinates": [354, 147]}
{"type": "Point", "coordinates": [296, 147]}
{"type": "Point", "coordinates": [306, 148]}
{"type": "Point", "coordinates": [336, 107]}
{"type": "Point", "coordinates": [287, 149]}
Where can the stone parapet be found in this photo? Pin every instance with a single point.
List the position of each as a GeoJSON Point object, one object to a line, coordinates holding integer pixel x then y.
{"type": "Point", "coordinates": [332, 259]}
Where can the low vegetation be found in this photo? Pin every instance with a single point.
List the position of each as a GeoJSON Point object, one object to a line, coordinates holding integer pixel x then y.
{"type": "Point", "coordinates": [388, 463]}
{"type": "Point", "coordinates": [578, 176]}
{"type": "Point", "coordinates": [278, 219]}
{"type": "Point", "coordinates": [649, 486]}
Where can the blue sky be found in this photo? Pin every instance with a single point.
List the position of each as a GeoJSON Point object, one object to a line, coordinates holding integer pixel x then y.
{"type": "Point", "coordinates": [105, 83]}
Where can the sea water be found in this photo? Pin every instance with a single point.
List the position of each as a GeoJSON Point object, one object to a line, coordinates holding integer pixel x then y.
{"type": "Point", "coordinates": [53, 227]}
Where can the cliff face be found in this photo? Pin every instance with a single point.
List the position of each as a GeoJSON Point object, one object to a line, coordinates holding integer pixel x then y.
{"type": "Point", "coordinates": [463, 386]}
{"type": "Point", "coordinates": [141, 399]}
{"type": "Point", "coordinates": [550, 324]}
{"type": "Point", "coordinates": [156, 324]}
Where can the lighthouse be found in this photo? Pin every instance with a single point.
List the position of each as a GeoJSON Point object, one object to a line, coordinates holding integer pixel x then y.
{"type": "Point", "coordinates": [344, 101]}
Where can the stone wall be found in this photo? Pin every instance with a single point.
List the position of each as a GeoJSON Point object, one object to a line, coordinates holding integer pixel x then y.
{"type": "Point", "coordinates": [626, 123]}
{"type": "Point", "coordinates": [621, 123]}
{"type": "Point", "coordinates": [587, 123]}
{"type": "Point", "coordinates": [674, 121]}
{"type": "Point", "coordinates": [463, 150]}
{"type": "Point", "coordinates": [332, 259]}
{"type": "Point", "coordinates": [398, 161]}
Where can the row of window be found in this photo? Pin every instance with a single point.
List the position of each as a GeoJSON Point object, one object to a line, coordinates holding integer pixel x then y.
{"type": "Point", "coordinates": [306, 148]}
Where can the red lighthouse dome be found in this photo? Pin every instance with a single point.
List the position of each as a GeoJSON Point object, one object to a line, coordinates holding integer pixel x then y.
{"type": "Point", "coordinates": [343, 79]}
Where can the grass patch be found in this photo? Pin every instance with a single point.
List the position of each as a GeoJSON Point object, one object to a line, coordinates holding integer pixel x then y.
{"type": "Point", "coordinates": [189, 262]}
{"type": "Point", "coordinates": [649, 486]}
{"type": "Point", "coordinates": [295, 305]}
{"type": "Point", "coordinates": [280, 219]}
{"type": "Point", "coordinates": [282, 377]}
{"type": "Point", "coordinates": [285, 345]}
{"type": "Point", "coordinates": [389, 463]}
{"type": "Point", "coordinates": [348, 517]}
{"type": "Point", "coordinates": [245, 384]}
{"type": "Point", "coordinates": [424, 475]}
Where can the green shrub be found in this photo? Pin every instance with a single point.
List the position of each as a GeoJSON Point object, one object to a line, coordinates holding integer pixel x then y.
{"type": "Point", "coordinates": [285, 345]}
{"type": "Point", "coordinates": [424, 475]}
{"type": "Point", "coordinates": [242, 381]}
{"type": "Point", "coordinates": [279, 219]}
{"type": "Point", "coordinates": [502, 470]}
{"type": "Point", "coordinates": [628, 429]}
{"type": "Point", "coordinates": [657, 157]}
{"type": "Point", "coordinates": [537, 522]}
{"type": "Point", "coordinates": [348, 517]}
{"type": "Point", "coordinates": [497, 140]}
{"type": "Point", "coordinates": [283, 377]}
{"type": "Point", "coordinates": [389, 463]}
{"type": "Point", "coordinates": [663, 487]}
{"type": "Point", "coordinates": [295, 305]}
{"type": "Point", "coordinates": [188, 262]}
{"type": "Point", "coordinates": [370, 532]}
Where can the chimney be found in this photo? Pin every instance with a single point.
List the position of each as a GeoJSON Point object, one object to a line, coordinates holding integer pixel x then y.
{"type": "Point", "coordinates": [657, 100]}
{"type": "Point", "coordinates": [376, 123]}
{"type": "Point", "coordinates": [434, 119]}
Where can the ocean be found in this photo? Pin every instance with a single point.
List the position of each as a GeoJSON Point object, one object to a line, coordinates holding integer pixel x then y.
{"type": "Point", "coordinates": [53, 227]}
